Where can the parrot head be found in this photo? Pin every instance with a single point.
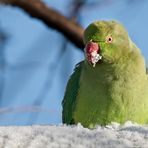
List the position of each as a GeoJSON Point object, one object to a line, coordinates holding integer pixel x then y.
{"type": "Point", "coordinates": [105, 41]}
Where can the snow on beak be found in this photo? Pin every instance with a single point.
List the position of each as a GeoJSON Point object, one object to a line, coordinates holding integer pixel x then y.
{"type": "Point", "coordinates": [92, 51]}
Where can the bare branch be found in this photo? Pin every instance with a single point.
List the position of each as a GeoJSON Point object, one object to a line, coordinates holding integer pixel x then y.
{"type": "Point", "coordinates": [37, 9]}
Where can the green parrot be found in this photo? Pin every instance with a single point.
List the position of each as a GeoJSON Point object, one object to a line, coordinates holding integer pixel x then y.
{"type": "Point", "coordinates": [111, 84]}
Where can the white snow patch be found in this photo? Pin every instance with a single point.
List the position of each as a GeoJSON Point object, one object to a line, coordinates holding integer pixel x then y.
{"type": "Point", "coordinates": [62, 136]}
{"type": "Point", "coordinates": [95, 57]}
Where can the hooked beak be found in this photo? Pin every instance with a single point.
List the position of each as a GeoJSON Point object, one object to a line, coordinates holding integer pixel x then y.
{"type": "Point", "coordinates": [92, 51]}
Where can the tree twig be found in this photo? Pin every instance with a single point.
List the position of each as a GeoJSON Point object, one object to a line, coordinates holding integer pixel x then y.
{"type": "Point", "coordinates": [52, 18]}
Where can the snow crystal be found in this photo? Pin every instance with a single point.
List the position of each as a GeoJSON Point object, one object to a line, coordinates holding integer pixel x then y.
{"type": "Point", "coordinates": [62, 136]}
{"type": "Point", "coordinates": [95, 57]}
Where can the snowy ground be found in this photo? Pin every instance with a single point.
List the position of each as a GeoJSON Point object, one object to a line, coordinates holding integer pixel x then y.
{"type": "Point", "coordinates": [62, 136]}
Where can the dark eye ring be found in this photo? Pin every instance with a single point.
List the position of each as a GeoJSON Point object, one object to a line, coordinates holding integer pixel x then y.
{"type": "Point", "coordinates": [109, 39]}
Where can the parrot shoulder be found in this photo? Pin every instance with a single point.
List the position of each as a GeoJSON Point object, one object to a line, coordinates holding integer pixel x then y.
{"type": "Point", "coordinates": [71, 92]}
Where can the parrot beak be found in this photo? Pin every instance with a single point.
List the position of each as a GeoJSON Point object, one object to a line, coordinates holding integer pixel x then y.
{"type": "Point", "coordinates": [92, 51]}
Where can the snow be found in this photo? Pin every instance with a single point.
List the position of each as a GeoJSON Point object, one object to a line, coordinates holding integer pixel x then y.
{"type": "Point", "coordinates": [62, 136]}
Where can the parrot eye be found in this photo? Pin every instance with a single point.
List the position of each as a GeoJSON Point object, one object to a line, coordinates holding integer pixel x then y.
{"type": "Point", "coordinates": [109, 39]}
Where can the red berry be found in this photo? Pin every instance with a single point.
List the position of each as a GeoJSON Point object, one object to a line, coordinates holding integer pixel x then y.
{"type": "Point", "coordinates": [91, 47]}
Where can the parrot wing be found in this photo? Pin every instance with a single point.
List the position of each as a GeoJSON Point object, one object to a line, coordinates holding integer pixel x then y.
{"type": "Point", "coordinates": [69, 100]}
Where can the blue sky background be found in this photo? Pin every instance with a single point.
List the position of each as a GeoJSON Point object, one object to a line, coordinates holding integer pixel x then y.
{"type": "Point", "coordinates": [34, 73]}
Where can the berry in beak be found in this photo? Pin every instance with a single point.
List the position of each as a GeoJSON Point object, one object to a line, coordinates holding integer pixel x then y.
{"type": "Point", "coordinates": [92, 51]}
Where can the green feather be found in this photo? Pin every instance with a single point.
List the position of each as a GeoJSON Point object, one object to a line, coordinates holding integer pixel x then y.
{"type": "Point", "coordinates": [69, 100]}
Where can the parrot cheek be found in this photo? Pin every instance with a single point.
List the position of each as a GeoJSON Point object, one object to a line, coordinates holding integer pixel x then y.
{"type": "Point", "coordinates": [107, 57]}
